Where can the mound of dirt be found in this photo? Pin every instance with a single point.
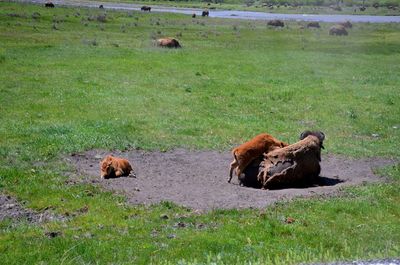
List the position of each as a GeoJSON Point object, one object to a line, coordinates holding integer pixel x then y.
{"type": "Point", "coordinates": [198, 179]}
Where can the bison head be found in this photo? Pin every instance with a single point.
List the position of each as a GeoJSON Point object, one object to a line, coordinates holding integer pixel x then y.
{"type": "Point", "coordinates": [320, 135]}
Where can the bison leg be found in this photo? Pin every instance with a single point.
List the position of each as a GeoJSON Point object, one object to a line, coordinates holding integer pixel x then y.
{"type": "Point", "coordinates": [234, 164]}
{"type": "Point", "coordinates": [119, 173]}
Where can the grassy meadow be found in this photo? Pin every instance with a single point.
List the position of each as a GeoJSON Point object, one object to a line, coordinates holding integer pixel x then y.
{"type": "Point", "coordinates": [77, 79]}
{"type": "Point", "coordinates": [384, 7]}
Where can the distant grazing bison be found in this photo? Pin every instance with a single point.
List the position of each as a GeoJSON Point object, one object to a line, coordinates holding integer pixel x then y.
{"type": "Point", "coordinates": [205, 13]}
{"type": "Point", "coordinates": [168, 42]}
{"type": "Point", "coordinates": [101, 6]}
{"type": "Point", "coordinates": [313, 25]}
{"type": "Point", "coordinates": [276, 23]}
{"type": "Point", "coordinates": [49, 4]}
{"type": "Point", "coordinates": [338, 30]}
{"type": "Point", "coordinates": [346, 24]}
{"type": "Point", "coordinates": [193, 15]}
{"type": "Point", "coordinates": [145, 8]}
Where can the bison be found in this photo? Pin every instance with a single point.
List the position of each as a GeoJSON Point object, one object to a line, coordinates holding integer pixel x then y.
{"type": "Point", "coordinates": [313, 25]}
{"type": "Point", "coordinates": [293, 165]}
{"type": "Point", "coordinates": [276, 23]}
{"type": "Point", "coordinates": [245, 153]}
{"type": "Point", "coordinates": [101, 6]}
{"type": "Point", "coordinates": [169, 43]}
{"type": "Point", "coordinates": [49, 4]}
{"type": "Point", "coordinates": [338, 30]}
{"type": "Point", "coordinates": [193, 15]}
{"type": "Point", "coordinates": [205, 13]}
{"type": "Point", "coordinates": [346, 24]}
{"type": "Point", "coordinates": [146, 8]}
{"type": "Point", "coordinates": [112, 166]}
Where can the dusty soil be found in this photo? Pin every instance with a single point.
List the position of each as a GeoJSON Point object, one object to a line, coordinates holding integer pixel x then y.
{"type": "Point", "coordinates": [11, 208]}
{"type": "Point", "coordinates": [198, 179]}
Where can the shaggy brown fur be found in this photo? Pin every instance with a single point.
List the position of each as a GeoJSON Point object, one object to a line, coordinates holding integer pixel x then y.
{"type": "Point", "coordinates": [168, 42]}
{"type": "Point", "coordinates": [295, 164]}
{"type": "Point", "coordinates": [114, 167]}
{"type": "Point", "coordinates": [253, 149]}
{"type": "Point", "coordinates": [338, 30]}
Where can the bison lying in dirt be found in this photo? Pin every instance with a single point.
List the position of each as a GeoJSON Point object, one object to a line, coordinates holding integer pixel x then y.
{"type": "Point", "coordinates": [338, 30]}
{"type": "Point", "coordinates": [293, 165]}
{"type": "Point", "coordinates": [114, 167]}
{"type": "Point", "coordinates": [169, 43]}
{"type": "Point", "coordinates": [246, 153]}
{"type": "Point", "coordinates": [276, 23]}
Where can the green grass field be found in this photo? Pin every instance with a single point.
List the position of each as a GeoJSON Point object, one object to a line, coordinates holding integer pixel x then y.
{"type": "Point", "coordinates": [384, 8]}
{"type": "Point", "coordinates": [70, 83]}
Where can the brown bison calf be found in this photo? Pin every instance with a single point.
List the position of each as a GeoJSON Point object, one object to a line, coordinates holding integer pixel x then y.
{"type": "Point", "coordinates": [168, 42]}
{"type": "Point", "coordinates": [338, 30]}
{"type": "Point", "coordinates": [114, 167]}
{"type": "Point", "coordinates": [293, 165]}
{"type": "Point", "coordinates": [245, 153]}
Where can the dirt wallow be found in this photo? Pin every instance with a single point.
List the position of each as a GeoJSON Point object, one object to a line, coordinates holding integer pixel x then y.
{"type": "Point", "coordinates": [10, 208]}
{"type": "Point", "coordinates": [198, 179]}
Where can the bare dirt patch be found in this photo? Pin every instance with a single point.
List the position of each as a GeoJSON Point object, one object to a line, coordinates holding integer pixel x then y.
{"type": "Point", "coordinates": [198, 179]}
{"type": "Point", "coordinates": [10, 208]}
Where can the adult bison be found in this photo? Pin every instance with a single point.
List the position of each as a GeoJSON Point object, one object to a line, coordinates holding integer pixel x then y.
{"type": "Point", "coordinates": [146, 8]}
{"type": "Point", "coordinates": [276, 23]}
{"type": "Point", "coordinates": [338, 30]}
{"type": "Point", "coordinates": [49, 4]}
{"type": "Point", "coordinates": [313, 25]}
{"type": "Point", "coordinates": [205, 13]}
{"type": "Point", "coordinates": [293, 165]}
{"type": "Point", "coordinates": [168, 43]}
{"type": "Point", "coordinates": [346, 24]}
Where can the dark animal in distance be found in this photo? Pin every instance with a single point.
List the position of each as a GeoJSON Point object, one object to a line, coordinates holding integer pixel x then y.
{"type": "Point", "coordinates": [49, 4]}
{"type": "Point", "coordinates": [276, 23]}
{"type": "Point", "coordinates": [101, 6]}
{"type": "Point", "coordinates": [205, 13]}
{"type": "Point", "coordinates": [346, 24]}
{"type": "Point", "coordinates": [338, 30]}
{"type": "Point", "coordinates": [168, 43]}
{"type": "Point", "coordinates": [313, 25]}
{"type": "Point", "coordinates": [146, 8]}
{"type": "Point", "coordinates": [193, 15]}
{"type": "Point", "coordinates": [245, 153]}
{"type": "Point", "coordinates": [363, 8]}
